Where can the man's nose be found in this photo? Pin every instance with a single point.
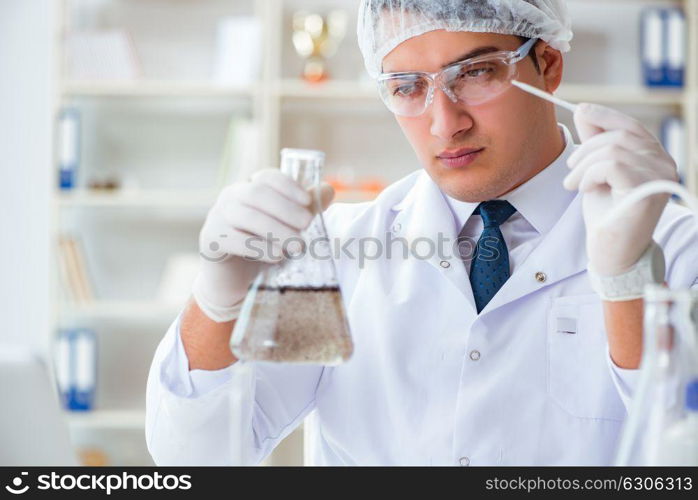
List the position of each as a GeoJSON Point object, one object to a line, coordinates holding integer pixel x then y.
{"type": "Point", "coordinates": [448, 119]}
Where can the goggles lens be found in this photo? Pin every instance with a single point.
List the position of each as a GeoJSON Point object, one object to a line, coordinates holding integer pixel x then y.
{"type": "Point", "coordinates": [473, 81]}
{"type": "Point", "coordinates": [409, 94]}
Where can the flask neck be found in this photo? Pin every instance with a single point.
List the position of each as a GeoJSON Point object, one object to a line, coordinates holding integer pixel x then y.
{"type": "Point", "coordinates": [306, 175]}
{"type": "Point", "coordinates": [305, 170]}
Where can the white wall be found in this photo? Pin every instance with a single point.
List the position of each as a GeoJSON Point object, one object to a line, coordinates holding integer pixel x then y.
{"type": "Point", "coordinates": [26, 73]}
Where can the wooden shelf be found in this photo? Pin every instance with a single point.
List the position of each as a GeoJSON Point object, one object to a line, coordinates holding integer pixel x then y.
{"type": "Point", "coordinates": [114, 309]}
{"type": "Point", "coordinates": [163, 198]}
{"type": "Point", "coordinates": [332, 89]}
{"type": "Point", "coordinates": [348, 90]}
{"type": "Point", "coordinates": [106, 419]}
{"type": "Point", "coordinates": [153, 89]}
{"type": "Point", "coordinates": [613, 94]}
{"type": "Point", "coordinates": [621, 94]}
{"type": "Point", "coordinates": [137, 198]}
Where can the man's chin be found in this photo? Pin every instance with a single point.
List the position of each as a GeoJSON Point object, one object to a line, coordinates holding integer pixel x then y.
{"type": "Point", "coordinates": [468, 185]}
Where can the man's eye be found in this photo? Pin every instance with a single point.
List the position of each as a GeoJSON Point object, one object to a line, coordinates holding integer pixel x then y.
{"type": "Point", "coordinates": [406, 90]}
{"type": "Point", "coordinates": [475, 72]}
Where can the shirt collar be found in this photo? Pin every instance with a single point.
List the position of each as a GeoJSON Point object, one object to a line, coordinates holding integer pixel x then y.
{"type": "Point", "coordinates": [540, 200]}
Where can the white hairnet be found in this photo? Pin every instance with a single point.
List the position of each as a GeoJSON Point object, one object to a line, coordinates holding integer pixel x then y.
{"type": "Point", "coordinates": [384, 24]}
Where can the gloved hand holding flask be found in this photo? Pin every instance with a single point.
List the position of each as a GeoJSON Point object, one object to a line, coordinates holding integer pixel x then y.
{"type": "Point", "coordinates": [272, 208]}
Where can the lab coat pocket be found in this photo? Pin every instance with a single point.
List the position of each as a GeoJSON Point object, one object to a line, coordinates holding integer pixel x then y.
{"type": "Point", "coordinates": [579, 381]}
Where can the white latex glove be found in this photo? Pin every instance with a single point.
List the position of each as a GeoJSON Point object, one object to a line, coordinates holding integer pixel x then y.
{"type": "Point", "coordinates": [270, 206]}
{"type": "Point", "coordinates": [617, 154]}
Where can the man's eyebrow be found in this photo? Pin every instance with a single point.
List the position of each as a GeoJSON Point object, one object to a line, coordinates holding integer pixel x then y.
{"type": "Point", "coordinates": [473, 53]}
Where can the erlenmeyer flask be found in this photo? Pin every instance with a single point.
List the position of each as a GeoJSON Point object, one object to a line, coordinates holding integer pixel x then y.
{"type": "Point", "coordinates": [662, 410]}
{"type": "Point", "coordinates": [293, 311]}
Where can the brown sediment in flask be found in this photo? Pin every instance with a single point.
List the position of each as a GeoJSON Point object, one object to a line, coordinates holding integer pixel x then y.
{"type": "Point", "coordinates": [298, 324]}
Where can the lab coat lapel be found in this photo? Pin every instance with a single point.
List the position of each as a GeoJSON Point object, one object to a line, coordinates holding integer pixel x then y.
{"type": "Point", "coordinates": [561, 253]}
{"type": "Point", "coordinates": [429, 220]}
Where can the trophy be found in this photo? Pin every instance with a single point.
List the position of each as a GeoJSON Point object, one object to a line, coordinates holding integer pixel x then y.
{"type": "Point", "coordinates": [316, 38]}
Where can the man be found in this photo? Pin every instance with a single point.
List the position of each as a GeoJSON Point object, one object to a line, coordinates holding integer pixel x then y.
{"type": "Point", "coordinates": [507, 355]}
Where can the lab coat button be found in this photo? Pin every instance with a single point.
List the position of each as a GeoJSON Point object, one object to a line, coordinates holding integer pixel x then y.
{"type": "Point", "coordinates": [474, 355]}
{"type": "Point", "coordinates": [464, 461]}
{"type": "Point", "coordinates": [396, 227]}
{"type": "Point", "coordinates": [541, 277]}
{"type": "Point", "coordinates": [445, 264]}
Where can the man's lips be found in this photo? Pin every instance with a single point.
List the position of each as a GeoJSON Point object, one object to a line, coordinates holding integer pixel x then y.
{"type": "Point", "coordinates": [460, 157]}
{"type": "Point", "coordinates": [458, 152]}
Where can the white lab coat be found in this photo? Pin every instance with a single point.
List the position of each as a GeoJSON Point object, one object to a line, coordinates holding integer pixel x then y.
{"type": "Point", "coordinates": [528, 381]}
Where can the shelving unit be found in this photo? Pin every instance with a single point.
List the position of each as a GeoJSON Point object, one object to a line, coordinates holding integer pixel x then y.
{"type": "Point", "coordinates": [184, 198]}
{"type": "Point", "coordinates": [115, 309]}
{"type": "Point", "coordinates": [288, 112]}
{"type": "Point", "coordinates": [154, 89]}
{"type": "Point", "coordinates": [350, 90]}
{"type": "Point", "coordinates": [611, 94]}
{"type": "Point", "coordinates": [107, 419]}
{"type": "Point", "coordinates": [617, 94]}
{"type": "Point", "coordinates": [165, 198]}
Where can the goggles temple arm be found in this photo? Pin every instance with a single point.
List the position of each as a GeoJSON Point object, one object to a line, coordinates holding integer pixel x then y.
{"type": "Point", "coordinates": [523, 51]}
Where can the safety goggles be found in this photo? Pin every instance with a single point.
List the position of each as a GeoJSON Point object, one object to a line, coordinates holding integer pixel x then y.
{"type": "Point", "coordinates": [472, 81]}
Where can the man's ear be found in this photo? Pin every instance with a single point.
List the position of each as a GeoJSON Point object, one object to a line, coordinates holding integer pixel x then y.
{"type": "Point", "coordinates": [551, 66]}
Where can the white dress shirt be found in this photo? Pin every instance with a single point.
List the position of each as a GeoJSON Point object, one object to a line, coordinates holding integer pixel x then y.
{"type": "Point", "coordinates": [524, 228]}
{"type": "Point", "coordinates": [432, 381]}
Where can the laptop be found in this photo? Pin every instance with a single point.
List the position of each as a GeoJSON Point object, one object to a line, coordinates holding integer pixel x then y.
{"type": "Point", "coordinates": [33, 430]}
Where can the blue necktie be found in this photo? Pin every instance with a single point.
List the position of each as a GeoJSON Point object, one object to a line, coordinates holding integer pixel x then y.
{"type": "Point", "coordinates": [489, 268]}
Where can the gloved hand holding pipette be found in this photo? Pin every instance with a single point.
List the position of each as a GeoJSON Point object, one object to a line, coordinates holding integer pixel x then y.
{"type": "Point", "coordinates": [617, 155]}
